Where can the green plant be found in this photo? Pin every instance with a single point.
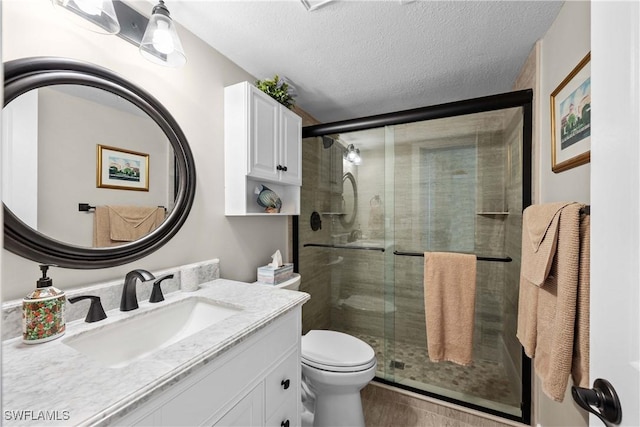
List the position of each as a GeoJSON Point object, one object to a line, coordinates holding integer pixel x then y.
{"type": "Point", "coordinates": [277, 89]}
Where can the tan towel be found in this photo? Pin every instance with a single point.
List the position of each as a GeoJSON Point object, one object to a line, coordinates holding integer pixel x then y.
{"type": "Point", "coordinates": [101, 229]}
{"type": "Point", "coordinates": [115, 225]}
{"type": "Point", "coordinates": [580, 365]}
{"type": "Point", "coordinates": [129, 223]}
{"type": "Point", "coordinates": [539, 240]}
{"type": "Point", "coordinates": [547, 311]}
{"type": "Point", "coordinates": [449, 297]}
{"type": "Point", "coordinates": [539, 244]}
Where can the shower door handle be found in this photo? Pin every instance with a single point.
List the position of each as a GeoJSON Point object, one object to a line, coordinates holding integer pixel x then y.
{"type": "Point", "coordinates": [601, 400]}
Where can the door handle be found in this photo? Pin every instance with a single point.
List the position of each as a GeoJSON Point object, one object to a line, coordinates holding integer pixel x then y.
{"type": "Point", "coordinates": [601, 400]}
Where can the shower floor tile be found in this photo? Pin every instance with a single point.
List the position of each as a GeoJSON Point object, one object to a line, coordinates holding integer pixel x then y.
{"type": "Point", "coordinates": [409, 364]}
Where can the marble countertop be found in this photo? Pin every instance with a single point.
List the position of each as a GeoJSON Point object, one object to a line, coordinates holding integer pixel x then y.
{"type": "Point", "coordinates": [53, 384]}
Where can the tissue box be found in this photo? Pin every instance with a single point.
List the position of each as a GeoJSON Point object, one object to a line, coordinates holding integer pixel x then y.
{"type": "Point", "coordinates": [273, 276]}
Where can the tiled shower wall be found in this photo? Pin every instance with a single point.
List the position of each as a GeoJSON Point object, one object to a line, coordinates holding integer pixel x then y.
{"type": "Point", "coordinates": [321, 192]}
{"type": "Point", "coordinates": [479, 233]}
{"type": "Point", "coordinates": [347, 286]}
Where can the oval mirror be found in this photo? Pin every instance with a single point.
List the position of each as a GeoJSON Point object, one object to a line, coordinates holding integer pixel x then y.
{"type": "Point", "coordinates": [349, 200]}
{"type": "Point", "coordinates": [82, 145]}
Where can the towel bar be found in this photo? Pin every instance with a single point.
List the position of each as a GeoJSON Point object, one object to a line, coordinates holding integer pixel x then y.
{"type": "Point", "coordinates": [86, 207]}
{"type": "Point", "coordinates": [479, 258]}
{"type": "Point", "coordinates": [362, 248]}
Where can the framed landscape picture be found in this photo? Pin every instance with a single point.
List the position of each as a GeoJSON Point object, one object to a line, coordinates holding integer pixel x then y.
{"type": "Point", "coordinates": [571, 119]}
{"type": "Point", "coordinates": [122, 169]}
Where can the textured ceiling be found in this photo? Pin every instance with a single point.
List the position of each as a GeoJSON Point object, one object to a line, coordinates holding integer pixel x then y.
{"type": "Point", "coordinates": [351, 59]}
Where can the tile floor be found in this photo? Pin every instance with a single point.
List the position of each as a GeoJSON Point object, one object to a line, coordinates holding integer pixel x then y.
{"type": "Point", "coordinates": [484, 379]}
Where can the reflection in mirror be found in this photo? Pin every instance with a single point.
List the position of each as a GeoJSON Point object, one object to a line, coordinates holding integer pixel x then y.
{"type": "Point", "coordinates": [69, 109]}
{"type": "Point", "coordinates": [349, 200]}
{"type": "Point", "coordinates": [50, 159]}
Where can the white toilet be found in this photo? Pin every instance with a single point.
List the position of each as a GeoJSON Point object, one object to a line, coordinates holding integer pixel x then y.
{"type": "Point", "coordinates": [335, 367]}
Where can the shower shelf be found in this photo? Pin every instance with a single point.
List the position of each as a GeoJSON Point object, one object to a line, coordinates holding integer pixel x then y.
{"type": "Point", "coordinates": [479, 258]}
{"type": "Point", "coordinates": [362, 248]}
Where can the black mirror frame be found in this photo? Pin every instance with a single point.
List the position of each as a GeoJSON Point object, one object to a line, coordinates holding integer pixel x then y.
{"type": "Point", "coordinates": [348, 223]}
{"type": "Point", "coordinates": [22, 75]}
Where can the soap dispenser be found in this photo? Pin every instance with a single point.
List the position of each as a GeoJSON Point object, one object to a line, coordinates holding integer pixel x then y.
{"type": "Point", "coordinates": [43, 311]}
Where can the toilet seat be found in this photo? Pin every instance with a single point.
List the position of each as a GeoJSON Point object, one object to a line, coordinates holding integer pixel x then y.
{"type": "Point", "coordinates": [336, 352]}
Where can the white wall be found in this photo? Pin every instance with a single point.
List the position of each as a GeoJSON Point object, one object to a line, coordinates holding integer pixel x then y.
{"type": "Point", "coordinates": [562, 48]}
{"type": "Point", "coordinates": [194, 96]}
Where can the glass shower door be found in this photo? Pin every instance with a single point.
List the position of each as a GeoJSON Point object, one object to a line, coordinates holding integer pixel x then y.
{"type": "Point", "coordinates": [457, 188]}
{"type": "Point", "coordinates": [447, 179]}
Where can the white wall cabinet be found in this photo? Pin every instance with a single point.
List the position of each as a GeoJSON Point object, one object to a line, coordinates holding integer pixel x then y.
{"type": "Point", "coordinates": [263, 146]}
{"type": "Point", "coordinates": [256, 383]}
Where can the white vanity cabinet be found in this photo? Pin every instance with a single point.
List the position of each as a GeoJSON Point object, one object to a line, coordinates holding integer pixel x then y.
{"type": "Point", "coordinates": [263, 146]}
{"type": "Point", "coordinates": [255, 383]}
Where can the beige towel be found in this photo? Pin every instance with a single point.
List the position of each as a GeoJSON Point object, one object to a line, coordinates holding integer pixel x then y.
{"type": "Point", "coordinates": [449, 297]}
{"type": "Point", "coordinates": [547, 311]}
{"type": "Point", "coordinates": [580, 365]}
{"type": "Point", "coordinates": [539, 238]}
{"type": "Point", "coordinates": [101, 231]}
{"type": "Point", "coordinates": [115, 225]}
{"type": "Point", "coordinates": [539, 244]}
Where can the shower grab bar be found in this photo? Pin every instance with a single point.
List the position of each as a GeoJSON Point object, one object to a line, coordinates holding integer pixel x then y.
{"type": "Point", "coordinates": [479, 258]}
{"type": "Point", "coordinates": [362, 248]}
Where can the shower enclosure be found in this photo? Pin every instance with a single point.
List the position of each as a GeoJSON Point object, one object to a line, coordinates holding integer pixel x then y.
{"type": "Point", "coordinates": [379, 192]}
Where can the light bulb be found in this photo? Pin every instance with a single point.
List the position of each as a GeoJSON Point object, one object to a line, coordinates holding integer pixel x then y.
{"type": "Point", "coordinates": [351, 153]}
{"type": "Point", "coordinates": [160, 43]}
{"type": "Point", "coordinates": [162, 40]}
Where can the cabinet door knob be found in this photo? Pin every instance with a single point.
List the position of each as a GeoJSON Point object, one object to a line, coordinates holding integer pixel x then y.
{"type": "Point", "coordinates": [285, 384]}
{"type": "Point", "coordinates": [284, 168]}
{"type": "Point", "coordinates": [284, 423]}
{"type": "Point", "coordinates": [279, 167]}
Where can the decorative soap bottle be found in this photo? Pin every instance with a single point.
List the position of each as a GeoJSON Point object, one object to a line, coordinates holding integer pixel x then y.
{"type": "Point", "coordinates": [43, 311]}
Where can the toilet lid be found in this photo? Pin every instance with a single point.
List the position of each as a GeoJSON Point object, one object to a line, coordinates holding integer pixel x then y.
{"type": "Point", "coordinates": [336, 351]}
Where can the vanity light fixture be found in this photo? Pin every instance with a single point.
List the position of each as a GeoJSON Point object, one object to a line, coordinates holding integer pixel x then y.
{"type": "Point", "coordinates": [94, 15]}
{"type": "Point", "coordinates": [160, 43]}
{"type": "Point", "coordinates": [353, 155]}
{"type": "Point", "coordinates": [156, 37]}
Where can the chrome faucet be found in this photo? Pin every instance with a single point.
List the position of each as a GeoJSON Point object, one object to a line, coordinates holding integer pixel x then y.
{"type": "Point", "coordinates": [129, 300]}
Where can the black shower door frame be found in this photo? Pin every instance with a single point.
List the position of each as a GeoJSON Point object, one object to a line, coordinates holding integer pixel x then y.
{"type": "Point", "coordinates": [522, 98]}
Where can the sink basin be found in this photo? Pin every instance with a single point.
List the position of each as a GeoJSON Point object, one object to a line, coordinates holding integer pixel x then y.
{"type": "Point", "coordinates": [120, 343]}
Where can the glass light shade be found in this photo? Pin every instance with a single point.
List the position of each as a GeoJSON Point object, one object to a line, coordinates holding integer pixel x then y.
{"type": "Point", "coordinates": [160, 43]}
{"type": "Point", "coordinates": [351, 153]}
{"type": "Point", "coordinates": [358, 160]}
{"type": "Point", "coordinates": [95, 15]}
